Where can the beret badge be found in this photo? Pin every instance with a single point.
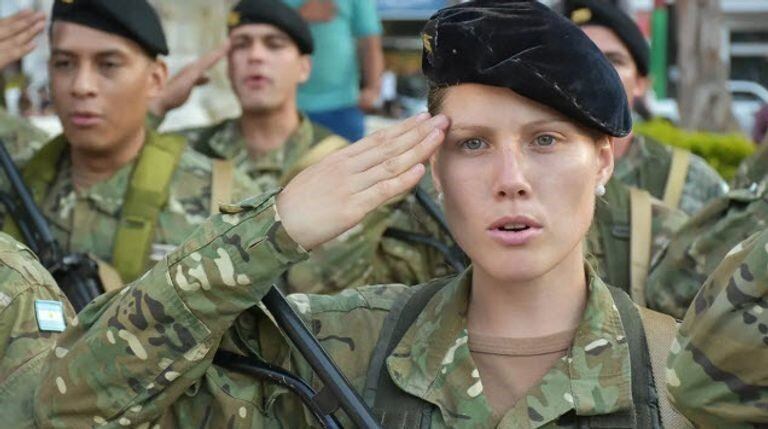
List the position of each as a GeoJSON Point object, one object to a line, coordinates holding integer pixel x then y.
{"type": "Point", "coordinates": [233, 18]}
{"type": "Point", "coordinates": [580, 16]}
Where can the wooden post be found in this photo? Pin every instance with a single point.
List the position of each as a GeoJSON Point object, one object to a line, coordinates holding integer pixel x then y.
{"type": "Point", "coordinates": [703, 97]}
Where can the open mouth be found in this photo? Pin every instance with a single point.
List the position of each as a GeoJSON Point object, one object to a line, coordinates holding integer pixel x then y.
{"type": "Point", "coordinates": [514, 227]}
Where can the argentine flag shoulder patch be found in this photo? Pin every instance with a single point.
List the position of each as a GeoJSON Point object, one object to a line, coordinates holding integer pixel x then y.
{"type": "Point", "coordinates": [50, 315]}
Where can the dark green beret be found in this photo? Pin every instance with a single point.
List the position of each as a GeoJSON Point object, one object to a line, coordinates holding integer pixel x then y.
{"type": "Point", "coordinates": [133, 19]}
{"type": "Point", "coordinates": [603, 13]}
{"type": "Point", "coordinates": [273, 12]}
{"type": "Point", "coordinates": [526, 47]}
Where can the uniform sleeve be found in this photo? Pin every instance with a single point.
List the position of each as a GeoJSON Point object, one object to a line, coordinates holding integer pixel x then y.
{"type": "Point", "coordinates": [365, 19]}
{"type": "Point", "coordinates": [132, 355]}
{"type": "Point", "coordinates": [717, 376]}
{"type": "Point", "coordinates": [24, 342]}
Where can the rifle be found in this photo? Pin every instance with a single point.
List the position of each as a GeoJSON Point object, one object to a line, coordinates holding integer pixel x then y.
{"type": "Point", "coordinates": [76, 274]}
{"type": "Point", "coordinates": [337, 391]}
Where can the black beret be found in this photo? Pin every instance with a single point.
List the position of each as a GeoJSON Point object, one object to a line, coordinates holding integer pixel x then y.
{"type": "Point", "coordinates": [273, 12]}
{"type": "Point", "coordinates": [603, 13]}
{"type": "Point", "coordinates": [133, 19]}
{"type": "Point", "coordinates": [526, 47]}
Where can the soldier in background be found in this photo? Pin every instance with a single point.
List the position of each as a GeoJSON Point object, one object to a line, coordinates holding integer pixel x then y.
{"type": "Point", "coordinates": [717, 374]}
{"type": "Point", "coordinates": [673, 175]}
{"type": "Point", "coordinates": [109, 186]}
{"type": "Point", "coordinates": [268, 55]}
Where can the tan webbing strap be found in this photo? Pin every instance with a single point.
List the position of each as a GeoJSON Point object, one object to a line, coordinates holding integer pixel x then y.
{"type": "Point", "coordinates": [678, 170]}
{"type": "Point", "coordinates": [319, 151]}
{"type": "Point", "coordinates": [640, 243]}
{"type": "Point", "coordinates": [110, 278]}
{"type": "Point", "coordinates": [222, 178]}
{"type": "Point", "coordinates": [660, 331]}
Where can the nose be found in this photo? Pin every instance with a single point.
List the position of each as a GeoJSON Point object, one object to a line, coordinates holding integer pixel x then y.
{"type": "Point", "coordinates": [256, 52]}
{"type": "Point", "coordinates": [510, 179]}
{"type": "Point", "coordinates": [84, 83]}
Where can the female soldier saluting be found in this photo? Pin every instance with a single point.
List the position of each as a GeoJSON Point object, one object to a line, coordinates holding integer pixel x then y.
{"type": "Point", "coordinates": [527, 337]}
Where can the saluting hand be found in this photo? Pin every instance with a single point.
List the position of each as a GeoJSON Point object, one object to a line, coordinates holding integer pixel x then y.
{"type": "Point", "coordinates": [335, 194]}
{"type": "Point", "coordinates": [180, 86]}
{"type": "Point", "coordinates": [17, 35]}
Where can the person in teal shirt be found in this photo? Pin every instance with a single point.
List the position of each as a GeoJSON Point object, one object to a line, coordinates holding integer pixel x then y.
{"type": "Point", "coordinates": [342, 86]}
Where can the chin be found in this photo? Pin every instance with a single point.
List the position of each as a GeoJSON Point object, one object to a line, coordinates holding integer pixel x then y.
{"type": "Point", "coordinates": [87, 140]}
{"type": "Point", "coordinates": [516, 266]}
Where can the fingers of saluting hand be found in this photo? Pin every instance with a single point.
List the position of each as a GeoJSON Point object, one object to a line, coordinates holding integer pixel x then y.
{"type": "Point", "coordinates": [22, 26]}
{"type": "Point", "coordinates": [397, 156]}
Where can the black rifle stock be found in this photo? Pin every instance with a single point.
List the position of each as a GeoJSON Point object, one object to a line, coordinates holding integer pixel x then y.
{"type": "Point", "coordinates": [76, 274]}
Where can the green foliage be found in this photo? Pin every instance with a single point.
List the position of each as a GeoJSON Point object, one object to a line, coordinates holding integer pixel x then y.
{"type": "Point", "coordinates": [724, 152]}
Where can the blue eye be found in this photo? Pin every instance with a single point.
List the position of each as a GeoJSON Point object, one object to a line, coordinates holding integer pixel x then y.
{"type": "Point", "coordinates": [545, 140]}
{"type": "Point", "coordinates": [473, 144]}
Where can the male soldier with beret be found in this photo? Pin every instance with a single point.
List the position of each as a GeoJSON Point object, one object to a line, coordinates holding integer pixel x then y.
{"type": "Point", "coordinates": [109, 186]}
{"type": "Point", "coordinates": [268, 55]}
{"type": "Point", "coordinates": [673, 175]}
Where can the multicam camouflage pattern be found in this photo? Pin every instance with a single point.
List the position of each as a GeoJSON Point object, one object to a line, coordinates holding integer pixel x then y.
{"type": "Point", "coordinates": [23, 346]}
{"type": "Point", "coordinates": [717, 370]}
{"type": "Point", "coordinates": [21, 138]}
{"type": "Point", "coordinates": [86, 220]}
{"type": "Point", "coordinates": [153, 344]}
{"type": "Point", "coordinates": [699, 247]}
{"type": "Point", "coordinates": [362, 255]}
{"type": "Point", "coordinates": [702, 182]}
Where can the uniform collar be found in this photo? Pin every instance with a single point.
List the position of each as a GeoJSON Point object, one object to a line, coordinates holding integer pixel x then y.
{"type": "Point", "coordinates": [433, 362]}
{"type": "Point", "coordinates": [228, 143]}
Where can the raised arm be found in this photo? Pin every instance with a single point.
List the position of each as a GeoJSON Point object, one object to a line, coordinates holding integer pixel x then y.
{"type": "Point", "coordinates": [133, 354]}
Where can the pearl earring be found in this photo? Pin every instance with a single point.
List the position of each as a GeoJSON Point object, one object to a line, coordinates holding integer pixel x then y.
{"type": "Point", "coordinates": [600, 190]}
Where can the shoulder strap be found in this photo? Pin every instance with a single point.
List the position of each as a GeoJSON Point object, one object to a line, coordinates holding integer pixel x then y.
{"type": "Point", "coordinates": [644, 393]}
{"type": "Point", "coordinates": [678, 170]}
{"type": "Point", "coordinates": [612, 221]}
{"type": "Point", "coordinates": [222, 178]}
{"type": "Point", "coordinates": [660, 331]}
{"type": "Point", "coordinates": [320, 150]}
{"type": "Point", "coordinates": [39, 174]}
{"type": "Point", "coordinates": [393, 407]}
{"type": "Point", "coordinates": [147, 194]}
{"type": "Point", "coordinates": [640, 243]}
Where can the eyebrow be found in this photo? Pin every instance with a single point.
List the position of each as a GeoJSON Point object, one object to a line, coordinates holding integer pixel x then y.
{"type": "Point", "coordinates": [105, 53]}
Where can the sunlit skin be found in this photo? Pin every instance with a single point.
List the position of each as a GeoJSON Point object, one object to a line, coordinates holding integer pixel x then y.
{"type": "Point", "coordinates": [635, 84]}
{"type": "Point", "coordinates": [265, 68]}
{"type": "Point", "coordinates": [100, 86]}
{"type": "Point", "coordinates": [507, 156]}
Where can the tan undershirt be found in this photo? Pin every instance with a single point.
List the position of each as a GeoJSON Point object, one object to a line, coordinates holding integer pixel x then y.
{"type": "Point", "coordinates": [509, 367]}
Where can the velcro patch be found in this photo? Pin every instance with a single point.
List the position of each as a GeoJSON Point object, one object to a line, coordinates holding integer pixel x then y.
{"type": "Point", "coordinates": [50, 315]}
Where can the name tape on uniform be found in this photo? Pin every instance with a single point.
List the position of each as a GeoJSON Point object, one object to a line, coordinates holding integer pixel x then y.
{"type": "Point", "coordinates": [50, 315]}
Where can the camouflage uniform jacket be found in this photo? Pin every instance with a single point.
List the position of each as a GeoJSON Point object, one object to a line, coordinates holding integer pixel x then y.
{"type": "Point", "coordinates": [640, 166]}
{"type": "Point", "coordinates": [21, 138]}
{"type": "Point", "coordinates": [86, 220]}
{"type": "Point", "coordinates": [753, 169]}
{"type": "Point", "coordinates": [153, 344]}
{"type": "Point", "coordinates": [363, 255]}
{"type": "Point", "coordinates": [23, 344]}
{"type": "Point", "coordinates": [612, 260]}
{"type": "Point", "coordinates": [699, 247]}
{"type": "Point", "coordinates": [717, 369]}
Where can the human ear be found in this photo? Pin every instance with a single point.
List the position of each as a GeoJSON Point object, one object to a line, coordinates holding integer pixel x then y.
{"type": "Point", "coordinates": [305, 68]}
{"type": "Point", "coordinates": [158, 76]}
{"type": "Point", "coordinates": [641, 86]}
{"type": "Point", "coordinates": [604, 160]}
